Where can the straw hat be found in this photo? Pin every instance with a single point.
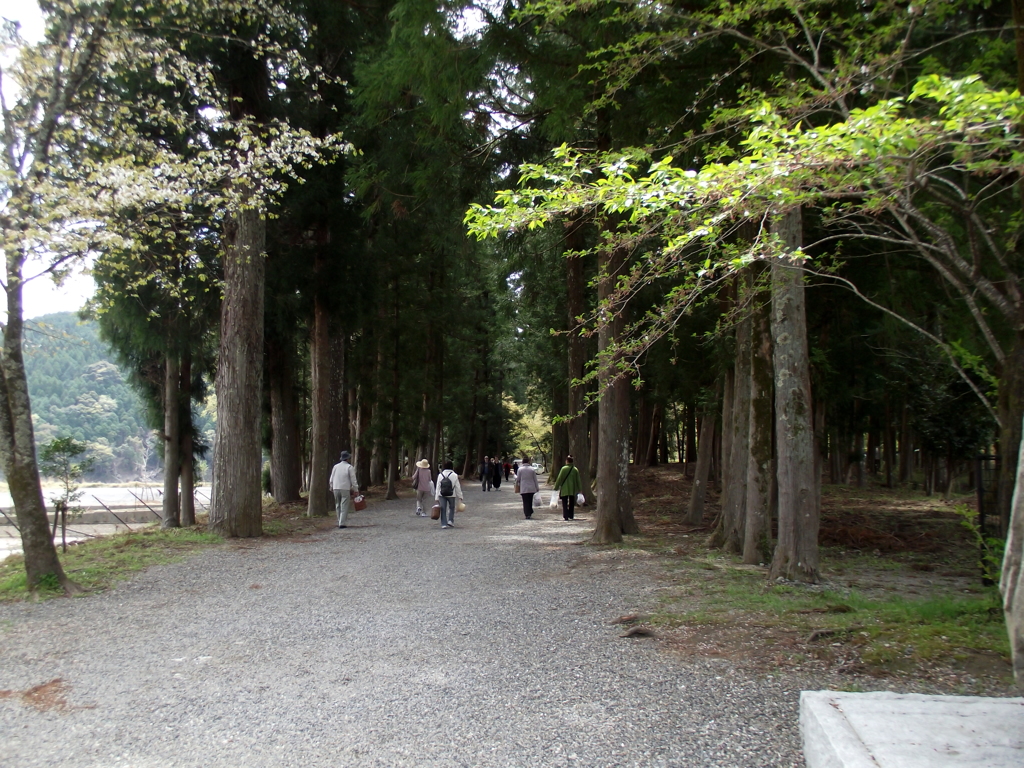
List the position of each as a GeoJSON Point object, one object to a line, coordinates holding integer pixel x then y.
{"type": "Point", "coordinates": [423, 464]}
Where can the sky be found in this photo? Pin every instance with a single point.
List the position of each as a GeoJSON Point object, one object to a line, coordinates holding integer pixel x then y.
{"type": "Point", "coordinates": [41, 296]}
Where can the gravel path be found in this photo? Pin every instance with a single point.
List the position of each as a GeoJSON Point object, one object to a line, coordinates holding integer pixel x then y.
{"type": "Point", "coordinates": [390, 643]}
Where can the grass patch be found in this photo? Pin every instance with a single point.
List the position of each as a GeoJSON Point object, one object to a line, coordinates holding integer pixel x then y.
{"type": "Point", "coordinates": [934, 629]}
{"type": "Point", "coordinates": [98, 564]}
{"type": "Point", "coordinates": [889, 633]}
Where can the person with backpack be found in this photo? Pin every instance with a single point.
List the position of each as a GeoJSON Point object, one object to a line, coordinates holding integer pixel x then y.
{"type": "Point", "coordinates": [568, 484]}
{"type": "Point", "coordinates": [449, 491]}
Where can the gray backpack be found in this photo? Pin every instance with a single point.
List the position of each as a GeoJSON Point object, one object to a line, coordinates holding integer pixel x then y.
{"type": "Point", "coordinates": [445, 487]}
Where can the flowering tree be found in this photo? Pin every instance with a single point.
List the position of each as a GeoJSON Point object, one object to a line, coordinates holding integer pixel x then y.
{"type": "Point", "coordinates": [85, 166]}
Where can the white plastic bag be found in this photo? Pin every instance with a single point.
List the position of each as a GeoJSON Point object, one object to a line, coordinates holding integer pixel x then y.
{"type": "Point", "coordinates": [553, 503]}
{"type": "Point", "coordinates": [536, 499]}
{"type": "Point", "coordinates": [581, 500]}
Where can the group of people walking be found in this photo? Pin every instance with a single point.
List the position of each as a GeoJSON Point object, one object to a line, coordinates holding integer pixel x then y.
{"type": "Point", "coordinates": [446, 493]}
{"type": "Point", "coordinates": [491, 471]}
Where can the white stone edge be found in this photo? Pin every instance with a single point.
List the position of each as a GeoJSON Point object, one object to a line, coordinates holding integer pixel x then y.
{"type": "Point", "coordinates": [829, 741]}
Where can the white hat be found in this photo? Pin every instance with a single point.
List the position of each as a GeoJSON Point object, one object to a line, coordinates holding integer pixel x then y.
{"type": "Point", "coordinates": [423, 464]}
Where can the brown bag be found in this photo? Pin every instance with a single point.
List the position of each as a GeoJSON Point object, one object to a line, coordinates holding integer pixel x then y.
{"type": "Point", "coordinates": [359, 502]}
{"type": "Point", "coordinates": [435, 512]}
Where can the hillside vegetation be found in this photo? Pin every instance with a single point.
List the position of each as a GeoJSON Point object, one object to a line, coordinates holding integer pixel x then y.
{"type": "Point", "coordinates": [78, 390]}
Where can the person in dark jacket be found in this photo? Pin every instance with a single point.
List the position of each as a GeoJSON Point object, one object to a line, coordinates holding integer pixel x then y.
{"type": "Point", "coordinates": [485, 474]}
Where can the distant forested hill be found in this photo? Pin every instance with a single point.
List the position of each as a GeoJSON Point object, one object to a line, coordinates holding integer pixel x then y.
{"type": "Point", "coordinates": [78, 390]}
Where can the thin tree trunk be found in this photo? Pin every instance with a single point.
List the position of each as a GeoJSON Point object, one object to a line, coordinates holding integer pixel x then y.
{"type": "Point", "coordinates": [392, 492]}
{"type": "Point", "coordinates": [906, 446]}
{"type": "Point", "coordinates": [285, 459]}
{"type": "Point", "coordinates": [474, 447]}
{"type": "Point", "coordinates": [858, 467]}
{"type": "Point", "coordinates": [872, 452]}
{"type": "Point", "coordinates": [172, 441]}
{"type": "Point", "coordinates": [705, 450]}
{"type": "Point", "coordinates": [559, 430]}
{"type": "Point", "coordinates": [17, 443]}
{"type": "Point", "coordinates": [650, 450]}
{"type": "Point", "coordinates": [662, 437]}
{"type": "Point", "coordinates": [640, 435]}
{"type": "Point", "coordinates": [339, 432]}
{"type": "Point", "coordinates": [579, 425]}
{"type": "Point", "coordinates": [187, 503]}
{"type": "Point", "coordinates": [725, 436]}
{"type": "Point", "coordinates": [835, 457]}
{"type": "Point", "coordinates": [320, 394]}
{"type": "Point", "coordinates": [691, 434]}
{"type": "Point", "coordinates": [236, 508]}
{"type": "Point", "coordinates": [889, 446]}
{"type": "Point", "coordinates": [362, 440]}
{"type": "Point", "coordinates": [796, 554]}
{"type": "Point", "coordinates": [757, 530]}
{"type": "Point", "coordinates": [729, 534]}
{"type": "Point", "coordinates": [377, 465]}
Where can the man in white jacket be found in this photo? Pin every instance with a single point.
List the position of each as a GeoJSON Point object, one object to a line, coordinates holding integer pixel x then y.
{"type": "Point", "coordinates": [345, 486]}
{"type": "Point", "coordinates": [448, 490]}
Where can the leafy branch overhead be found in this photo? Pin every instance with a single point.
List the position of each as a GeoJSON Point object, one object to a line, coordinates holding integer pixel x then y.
{"type": "Point", "coordinates": [904, 172]}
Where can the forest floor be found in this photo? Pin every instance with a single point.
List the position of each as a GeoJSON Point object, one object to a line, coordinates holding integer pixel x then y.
{"type": "Point", "coordinates": [901, 600]}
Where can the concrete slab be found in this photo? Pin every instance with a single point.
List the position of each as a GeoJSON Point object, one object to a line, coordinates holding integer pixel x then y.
{"type": "Point", "coordinates": [910, 730]}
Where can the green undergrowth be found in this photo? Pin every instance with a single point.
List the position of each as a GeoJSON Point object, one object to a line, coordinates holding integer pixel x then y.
{"type": "Point", "coordinates": [891, 631]}
{"type": "Point", "coordinates": [98, 564]}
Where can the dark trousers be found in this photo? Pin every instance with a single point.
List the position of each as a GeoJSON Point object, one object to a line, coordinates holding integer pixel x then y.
{"type": "Point", "coordinates": [528, 504]}
{"type": "Point", "coordinates": [568, 507]}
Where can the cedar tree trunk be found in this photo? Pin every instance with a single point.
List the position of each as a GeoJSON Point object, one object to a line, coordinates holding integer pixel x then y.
{"type": "Point", "coordinates": [796, 554]}
{"type": "Point", "coordinates": [236, 507]}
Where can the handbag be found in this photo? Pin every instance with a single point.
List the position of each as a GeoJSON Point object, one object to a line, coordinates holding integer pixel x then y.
{"type": "Point", "coordinates": [359, 502]}
{"type": "Point", "coordinates": [515, 488]}
{"type": "Point", "coordinates": [435, 512]}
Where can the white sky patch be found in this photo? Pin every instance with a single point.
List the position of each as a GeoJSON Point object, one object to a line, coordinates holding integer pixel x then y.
{"type": "Point", "coordinates": [469, 23]}
{"type": "Point", "coordinates": [42, 297]}
{"type": "Point", "coordinates": [27, 13]}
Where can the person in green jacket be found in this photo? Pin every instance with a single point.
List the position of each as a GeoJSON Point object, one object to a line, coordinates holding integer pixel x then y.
{"type": "Point", "coordinates": [568, 484]}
